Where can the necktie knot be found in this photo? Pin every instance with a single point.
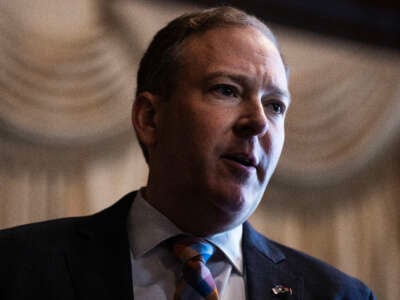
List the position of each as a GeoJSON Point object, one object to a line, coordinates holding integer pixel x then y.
{"type": "Point", "coordinates": [196, 277]}
{"type": "Point", "coordinates": [192, 248]}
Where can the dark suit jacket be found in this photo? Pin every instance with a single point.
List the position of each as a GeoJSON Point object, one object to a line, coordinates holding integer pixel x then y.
{"type": "Point", "coordinates": [88, 258]}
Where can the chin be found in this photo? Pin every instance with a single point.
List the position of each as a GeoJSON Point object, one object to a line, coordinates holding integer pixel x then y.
{"type": "Point", "coordinates": [234, 204]}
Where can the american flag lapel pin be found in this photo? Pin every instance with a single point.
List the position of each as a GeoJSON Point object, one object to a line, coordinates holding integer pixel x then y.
{"type": "Point", "coordinates": [281, 290]}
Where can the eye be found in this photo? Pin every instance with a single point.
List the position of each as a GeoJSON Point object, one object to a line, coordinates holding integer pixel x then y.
{"type": "Point", "coordinates": [276, 107]}
{"type": "Point", "coordinates": [225, 90]}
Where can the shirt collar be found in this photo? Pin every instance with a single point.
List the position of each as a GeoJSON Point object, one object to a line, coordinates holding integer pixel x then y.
{"type": "Point", "coordinates": [147, 228]}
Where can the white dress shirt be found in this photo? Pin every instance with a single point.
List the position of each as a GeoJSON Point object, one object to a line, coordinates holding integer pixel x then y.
{"type": "Point", "coordinates": [154, 267]}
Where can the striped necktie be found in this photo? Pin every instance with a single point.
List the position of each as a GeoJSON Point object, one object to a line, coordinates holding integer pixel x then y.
{"type": "Point", "coordinates": [196, 280]}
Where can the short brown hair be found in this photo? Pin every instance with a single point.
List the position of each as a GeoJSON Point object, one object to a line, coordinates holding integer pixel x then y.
{"type": "Point", "coordinates": [160, 62]}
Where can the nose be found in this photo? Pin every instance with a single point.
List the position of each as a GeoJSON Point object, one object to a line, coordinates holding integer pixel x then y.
{"type": "Point", "coordinates": [252, 120]}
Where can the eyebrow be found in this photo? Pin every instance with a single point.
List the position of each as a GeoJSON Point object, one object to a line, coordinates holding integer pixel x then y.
{"type": "Point", "coordinates": [271, 89]}
{"type": "Point", "coordinates": [274, 90]}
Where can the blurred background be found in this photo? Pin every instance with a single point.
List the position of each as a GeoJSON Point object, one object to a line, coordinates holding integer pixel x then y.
{"type": "Point", "coordinates": [67, 80]}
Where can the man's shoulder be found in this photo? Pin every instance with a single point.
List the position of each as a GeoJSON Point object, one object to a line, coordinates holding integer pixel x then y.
{"type": "Point", "coordinates": [38, 236]}
{"type": "Point", "coordinates": [41, 258]}
{"type": "Point", "coordinates": [316, 272]}
{"type": "Point", "coordinates": [319, 278]}
{"type": "Point", "coordinates": [56, 233]}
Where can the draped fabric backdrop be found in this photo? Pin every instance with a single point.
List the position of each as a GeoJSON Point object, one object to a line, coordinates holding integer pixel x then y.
{"type": "Point", "coordinates": [67, 82]}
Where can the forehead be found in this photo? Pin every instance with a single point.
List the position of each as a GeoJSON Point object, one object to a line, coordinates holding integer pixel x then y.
{"type": "Point", "coordinates": [237, 49]}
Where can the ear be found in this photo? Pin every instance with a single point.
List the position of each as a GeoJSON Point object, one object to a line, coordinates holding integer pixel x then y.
{"type": "Point", "coordinates": [145, 117]}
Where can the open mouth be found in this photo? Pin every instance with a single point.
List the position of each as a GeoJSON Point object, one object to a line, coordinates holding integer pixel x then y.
{"type": "Point", "coordinates": [241, 159]}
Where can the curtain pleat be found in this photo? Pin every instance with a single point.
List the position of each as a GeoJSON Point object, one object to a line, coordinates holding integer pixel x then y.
{"type": "Point", "coordinates": [67, 147]}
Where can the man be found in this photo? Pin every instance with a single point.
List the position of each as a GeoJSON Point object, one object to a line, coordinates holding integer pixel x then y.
{"type": "Point", "coordinates": [211, 101]}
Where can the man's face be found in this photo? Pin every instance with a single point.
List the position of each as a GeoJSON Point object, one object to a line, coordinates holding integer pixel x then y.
{"type": "Point", "coordinates": [221, 131]}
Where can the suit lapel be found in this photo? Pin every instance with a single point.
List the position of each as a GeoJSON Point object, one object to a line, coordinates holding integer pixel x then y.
{"type": "Point", "coordinates": [99, 259]}
{"type": "Point", "coordinates": [265, 268]}
{"type": "Point", "coordinates": [99, 256]}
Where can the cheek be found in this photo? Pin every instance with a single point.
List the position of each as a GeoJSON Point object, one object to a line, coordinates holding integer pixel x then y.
{"type": "Point", "coordinates": [277, 141]}
{"type": "Point", "coordinates": [272, 143]}
{"type": "Point", "coordinates": [208, 126]}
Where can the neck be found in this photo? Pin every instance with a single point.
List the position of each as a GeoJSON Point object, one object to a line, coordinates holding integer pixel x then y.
{"type": "Point", "coordinates": [181, 208]}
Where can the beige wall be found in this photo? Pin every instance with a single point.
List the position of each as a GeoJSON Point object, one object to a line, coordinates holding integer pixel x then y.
{"type": "Point", "coordinates": [67, 147]}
